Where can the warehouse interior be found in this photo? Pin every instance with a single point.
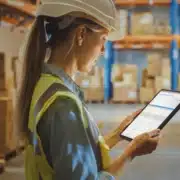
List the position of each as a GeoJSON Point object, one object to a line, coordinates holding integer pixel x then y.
{"type": "Point", "coordinates": [126, 78]}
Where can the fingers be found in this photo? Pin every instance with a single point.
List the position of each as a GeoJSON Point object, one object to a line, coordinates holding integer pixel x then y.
{"type": "Point", "coordinates": [130, 118]}
{"type": "Point", "coordinates": [139, 111]}
{"type": "Point", "coordinates": [154, 140]}
{"type": "Point", "coordinates": [154, 133]}
{"type": "Point", "coordinates": [139, 140]}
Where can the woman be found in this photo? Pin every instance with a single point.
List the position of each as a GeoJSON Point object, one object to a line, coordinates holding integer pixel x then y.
{"type": "Point", "coordinates": [63, 141]}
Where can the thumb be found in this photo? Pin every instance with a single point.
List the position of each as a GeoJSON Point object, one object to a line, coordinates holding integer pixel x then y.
{"type": "Point", "coordinates": [154, 133]}
{"type": "Point", "coordinates": [141, 138]}
{"type": "Point", "coordinates": [137, 112]}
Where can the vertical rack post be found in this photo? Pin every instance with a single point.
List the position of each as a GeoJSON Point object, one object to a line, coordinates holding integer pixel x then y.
{"type": "Point", "coordinates": [109, 57]}
{"type": "Point", "coordinates": [174, 51]}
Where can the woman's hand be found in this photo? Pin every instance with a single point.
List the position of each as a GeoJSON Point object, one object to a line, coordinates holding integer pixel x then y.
{"type": "Point", "coordinates": [144, 144]}
{"type": "Point", "coordinates": [114, 137]}
{"type": "Point", "coordinates": [127, 121]}
{"type": "Point", "coordinates": [141, 145]}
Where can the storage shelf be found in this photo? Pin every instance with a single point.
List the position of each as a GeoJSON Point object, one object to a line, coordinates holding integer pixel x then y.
{"type": "Point", "coordinates": [26, 8]}
{"type": "Point", "coordinates": [143, 2]}
{"type": "Point", "coordinates": [145, 42]}
{"type": "Point", "coordinates": [9, 20]}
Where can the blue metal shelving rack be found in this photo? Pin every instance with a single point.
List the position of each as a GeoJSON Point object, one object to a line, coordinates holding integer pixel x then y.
{"type": "Point", "coordinates": [174, 54]}
{"type": "Point", "coordinates": [109, 60]}
{"type": "Point", "coordinates": [174, 50]}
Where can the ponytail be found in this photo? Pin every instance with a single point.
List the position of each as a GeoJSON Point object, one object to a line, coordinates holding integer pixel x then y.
{"type": "Point", "coordinates": [34, 55]}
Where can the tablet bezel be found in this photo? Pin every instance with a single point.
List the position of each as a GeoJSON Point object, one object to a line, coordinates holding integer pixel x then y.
{"type": "Point", "coordinates": [163, 123]}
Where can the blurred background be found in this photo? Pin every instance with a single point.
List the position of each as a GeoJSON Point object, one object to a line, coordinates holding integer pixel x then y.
{"type": "Point", "coordinates": [126, 78]}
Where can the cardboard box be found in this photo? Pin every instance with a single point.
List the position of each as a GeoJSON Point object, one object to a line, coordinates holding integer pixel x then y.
{"type": "Point", "coordinates": [4, 93]}
{"type": "Point", "coordinates": [158, 83]}
{"type": "Point", "coordinates": [2, 64]}
{"type": "Point", "coordinates": [146, 94]}
{"type": "Point", "coordinates": [162, 83]}
{"type": "Point", "coordinates": [150, 83]}
{"type": "Point", "coordinates": [123, 20]}
{"type": "Point", "coordinates": [94, 94]}
{"type": "Point", "coordinates": [98, 72]}
{"type": "Point", "coordinates": [161, 25]}
{"type": "Point", "coordinates": [142, 23]}
{"type": "Point", "coordinates": [144, 77]}
{"type": "Point", "coordinates": [154, 58]}
{"type": "Point", "coordinates": [97, 94]}
{"type": "Point", "coordinates": [154, 64]}
{"type": "Point", "coordinates": [3, 83]}
{"type": "Point", "coordinates": [127, 79]}
{"type": "Point", "coordinates": [13, 41]}
{"type": "Point", "coordinates": [166, 69]}
{"type": "Point", "coordinates": [131, 69]}
{"type": "Point", "coordinates": [6, 125]}
{"type": "Point", "coordinates": [124, 73]}
{"type": "Point", "coordinates": [117, 73]}
{"type": "Point", "coordinates": [96, 81]}
{"type": "Point", "coordinates": [85, 80]}
{"type": "Point", "coordinates": [6, 87]}
{"type": "Point", "coordinates": [7, 76]}
{"type": "Point", "coordinates": [154, 70]}
{"type": "Point", "coordinates": [125, 94]}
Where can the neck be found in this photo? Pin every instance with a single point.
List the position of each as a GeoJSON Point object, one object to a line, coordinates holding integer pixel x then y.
{"type": "Point", "coordinates": [60, 58]}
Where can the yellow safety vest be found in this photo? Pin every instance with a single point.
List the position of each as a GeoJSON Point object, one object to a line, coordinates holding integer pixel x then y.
{"type": "Point", "coordinates": [36, 164]}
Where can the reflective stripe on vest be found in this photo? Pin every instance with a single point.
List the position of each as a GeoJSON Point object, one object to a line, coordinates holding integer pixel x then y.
{"type": "Point", "coordinates": [45, 93]}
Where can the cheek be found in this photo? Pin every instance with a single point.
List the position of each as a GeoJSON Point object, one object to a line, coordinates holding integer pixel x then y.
{"type": "Point", "coordinates": [96, 52]}
{"type": "Point", "coordinates": [90, 54]}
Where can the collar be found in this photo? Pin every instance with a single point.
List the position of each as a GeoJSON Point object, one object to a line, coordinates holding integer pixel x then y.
{"type": "Point", "coordinates": [68, 82]}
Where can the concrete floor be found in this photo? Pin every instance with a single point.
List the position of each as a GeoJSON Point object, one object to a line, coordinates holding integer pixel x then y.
{"type": "Point", "coordinates": [164, 164]}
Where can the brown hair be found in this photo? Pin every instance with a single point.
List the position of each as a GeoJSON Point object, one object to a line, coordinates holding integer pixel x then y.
{"type": "Point", "coordinates": [34, 56]}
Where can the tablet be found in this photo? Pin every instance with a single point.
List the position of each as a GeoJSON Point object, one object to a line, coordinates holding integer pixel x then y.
{"type": "Point", "coordinates": [155, 115]}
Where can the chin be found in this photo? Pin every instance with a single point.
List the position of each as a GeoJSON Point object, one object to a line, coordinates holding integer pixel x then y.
{"type": "Point", "coordinates": [85, 69]}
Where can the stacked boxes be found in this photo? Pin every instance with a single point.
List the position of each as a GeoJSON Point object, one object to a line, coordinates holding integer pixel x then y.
{"type": "Point", "coordinates": [147, 89]}
{"type": "Point", "coordinates": [164, 81]}
{"type": "Point", "coordinates": [6, 75]}
{"type": "Point", "coordinates": [124, 79]}
{"type": "Point", "coordinates": [161, 24]}
{"type": "Point", "coordinates": [123, 24]}
{"type": "Point", "coordinates": [148, 23]}
{"type": "Point", "coordinates": [155, 77]}
{"type": "Point", "coordinates": [92, 84]}
{"type": "Point", "coordinates": [142, 23]}
{"type": "Point", "coordinates": [10, 76]}
{"type": "Point", "coordinates": [6, 104]}
{"type": "Point", "coordinates": [154, 65]}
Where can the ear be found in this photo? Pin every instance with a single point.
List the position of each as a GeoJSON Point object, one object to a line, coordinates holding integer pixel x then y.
{"type": "Point", "coordinates": [81, 34]}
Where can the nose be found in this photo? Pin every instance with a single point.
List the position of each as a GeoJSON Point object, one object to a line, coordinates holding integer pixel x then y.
{"type": "Point", "coordinates": [103, 50]}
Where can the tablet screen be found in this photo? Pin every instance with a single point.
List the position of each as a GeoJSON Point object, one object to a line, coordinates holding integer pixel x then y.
{"type": "Point", "coordinates": [154, 114]}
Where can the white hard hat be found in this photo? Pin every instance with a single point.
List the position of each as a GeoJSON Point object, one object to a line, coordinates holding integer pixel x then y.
{"type": "Point", "coordinates": [103, 12]}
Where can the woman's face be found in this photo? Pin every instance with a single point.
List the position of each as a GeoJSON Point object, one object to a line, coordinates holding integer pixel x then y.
{"type": "Point", "coordinates": [90, 50]}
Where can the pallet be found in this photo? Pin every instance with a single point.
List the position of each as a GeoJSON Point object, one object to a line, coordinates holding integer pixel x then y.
{"type": "Point", "coordinates": [95, 102]}
{"type": "Point", "coordinates": [122, 102]}
{"type": "Point", "coordinates": [14, 153]}
{"type": "Point", "coordinates": [144, 102]}
{"type": "Point", "coordinates": [8, 156]}
{"type": "Point", "coordinates": [2, 165]}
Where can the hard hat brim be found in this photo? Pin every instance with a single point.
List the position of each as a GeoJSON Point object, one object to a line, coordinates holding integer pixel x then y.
{"type": "Point", "coordinates": [115, 36]}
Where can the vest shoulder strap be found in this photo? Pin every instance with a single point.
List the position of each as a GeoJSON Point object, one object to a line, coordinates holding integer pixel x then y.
{"type": "Point", "coordinates": [50, 95]}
